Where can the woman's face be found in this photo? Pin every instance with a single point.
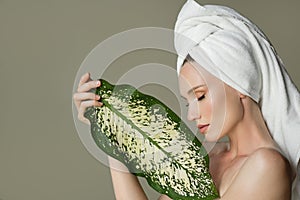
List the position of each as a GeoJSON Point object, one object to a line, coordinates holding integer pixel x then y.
{"type": "Point", "coordinates": [215, 107]}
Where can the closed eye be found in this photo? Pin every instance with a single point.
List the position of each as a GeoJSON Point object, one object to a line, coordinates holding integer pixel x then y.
{"type": "Point", "coordinates": [202, 97]}
{"type": "Point", "coordinates": [199, 99]}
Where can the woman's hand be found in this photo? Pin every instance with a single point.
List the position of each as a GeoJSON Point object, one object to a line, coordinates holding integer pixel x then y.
{"type": "Point", "coordinates": [126, 185]}
{"type": "Point", "coordinates": [84, 98]}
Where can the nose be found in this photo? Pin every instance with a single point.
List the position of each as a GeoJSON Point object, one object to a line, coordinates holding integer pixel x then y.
{"type": "Point", "coordinates": [193, 112]}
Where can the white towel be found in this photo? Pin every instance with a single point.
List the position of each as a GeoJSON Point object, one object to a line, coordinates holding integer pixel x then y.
{"type": "Point", "coordinates": [235, 50]}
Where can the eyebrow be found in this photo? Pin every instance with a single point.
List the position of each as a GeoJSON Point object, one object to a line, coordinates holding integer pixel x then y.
{"type": "Point", "coordinates": [195, 87]}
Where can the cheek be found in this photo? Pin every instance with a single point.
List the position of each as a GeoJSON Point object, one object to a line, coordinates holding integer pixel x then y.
{"type": "Point", "coordinates": [217, 115]}
{"type": "Point", "coordinates": [206, 110]}
{"type": "Point", "coordinates": [234, 112]}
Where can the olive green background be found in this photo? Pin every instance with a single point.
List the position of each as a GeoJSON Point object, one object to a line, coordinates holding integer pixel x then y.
{"type": "Point", "coordinates": [43, 43]}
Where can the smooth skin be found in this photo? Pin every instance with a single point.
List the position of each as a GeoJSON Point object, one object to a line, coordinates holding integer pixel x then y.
{"type": "Point", "coordinates": [250, 167]}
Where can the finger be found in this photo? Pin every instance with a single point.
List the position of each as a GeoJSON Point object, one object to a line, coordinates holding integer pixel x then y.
{"type": "Point", "coordinates": [88, 86]}
{"type": "Point", "coordinates": [84, 105]}
{"type": "Point", "coordinates": [86, 121]}
{"type": "Point", "coordinates": [79, 97]}
{"type": "Point", "coordinates": [84, 78]}
{"type": "Point", "coordinates": [83, 108]}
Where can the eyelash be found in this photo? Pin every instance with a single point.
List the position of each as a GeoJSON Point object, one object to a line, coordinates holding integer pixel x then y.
{"type": "Point", "coordinates": [202, 97]}
{"type": "Point", "coordinates": [199, 99]}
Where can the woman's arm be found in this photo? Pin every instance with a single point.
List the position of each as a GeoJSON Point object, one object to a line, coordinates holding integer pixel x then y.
{"type": "Point", "coordinates": [126, 185]}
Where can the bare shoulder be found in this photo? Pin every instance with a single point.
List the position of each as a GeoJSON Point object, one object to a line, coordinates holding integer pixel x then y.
{"type": "Point", "coordinates": [267, 158]}
{"type": "Point", "coordinates": [266, 174]}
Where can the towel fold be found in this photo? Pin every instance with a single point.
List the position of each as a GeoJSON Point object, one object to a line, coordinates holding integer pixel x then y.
{"type": "Point", "coordinates": [235, 50]}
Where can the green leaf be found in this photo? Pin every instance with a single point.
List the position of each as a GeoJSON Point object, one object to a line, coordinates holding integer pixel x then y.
{"type": "Point", "coordinates": [152, 141]}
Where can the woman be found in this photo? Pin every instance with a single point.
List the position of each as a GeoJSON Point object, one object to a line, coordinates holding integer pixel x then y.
{"type": "Point", "coordinates": [216, 47]}
{"type": "Point", "coordinates": [252, 163]}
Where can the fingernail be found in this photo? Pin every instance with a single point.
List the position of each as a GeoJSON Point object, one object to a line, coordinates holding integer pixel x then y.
{"type": "Point", "coordinates": [97, 97]}
{"type": "Point", "coordinates": [98, 82]}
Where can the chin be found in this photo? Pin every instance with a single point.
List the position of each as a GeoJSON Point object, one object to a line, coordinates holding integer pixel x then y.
{"type": "Point", "coordinates": [210, 137]}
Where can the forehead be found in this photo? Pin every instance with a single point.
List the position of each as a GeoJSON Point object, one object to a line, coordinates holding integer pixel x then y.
{"type": "Point", "coordinates": [191, 74]}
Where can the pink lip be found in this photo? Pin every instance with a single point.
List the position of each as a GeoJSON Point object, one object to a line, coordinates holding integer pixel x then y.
{"type": "Point", "coordinates": [203, 127]}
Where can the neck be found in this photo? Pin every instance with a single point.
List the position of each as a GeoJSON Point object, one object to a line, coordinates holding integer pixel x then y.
{"type": "Point", "coordinates": [251, 133]}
